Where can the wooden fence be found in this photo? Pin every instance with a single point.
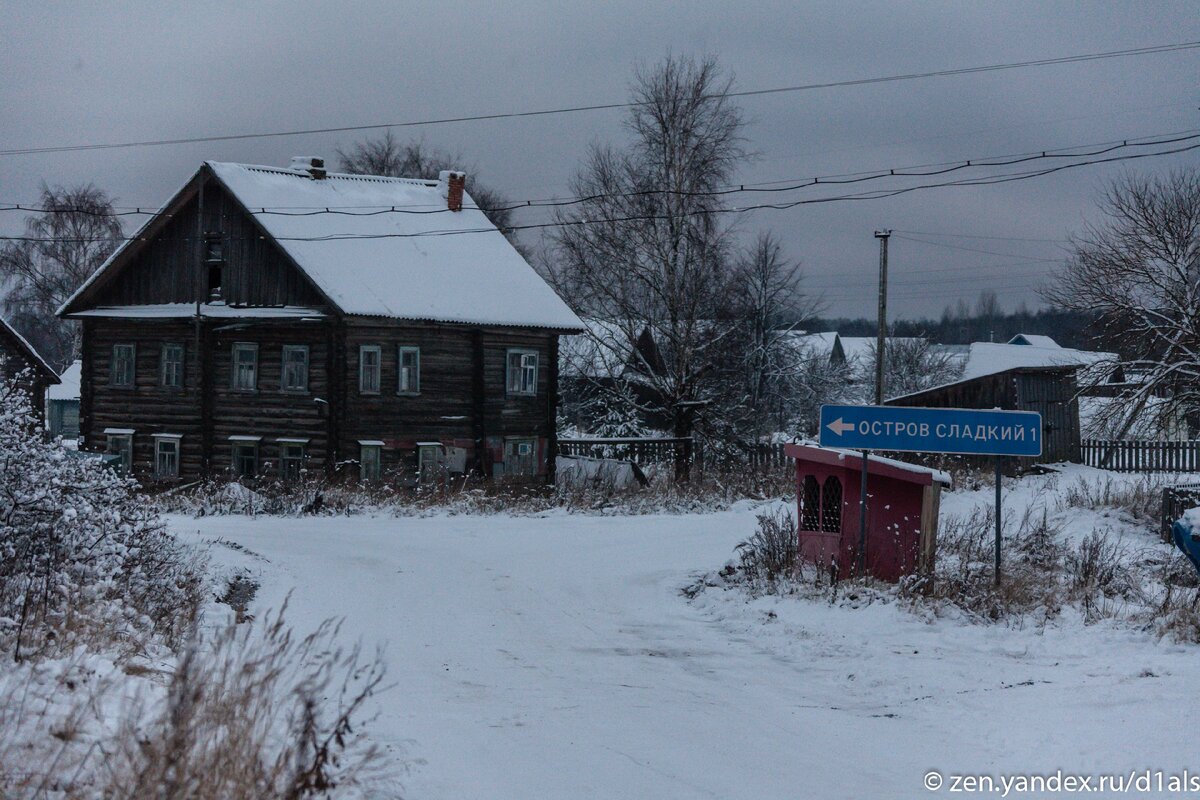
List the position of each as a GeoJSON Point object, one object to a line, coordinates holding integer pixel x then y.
{"type": "Point", "coordinates": [1141, 456]}
{"type": "Point", "coordinates": [1175, 501]}
{"type": "Point", "coordinates": [649, 452]}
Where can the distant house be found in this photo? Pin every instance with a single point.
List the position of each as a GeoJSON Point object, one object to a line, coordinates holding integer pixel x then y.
{"type": "Point", "coordinates": [272, 320]}
{"type": "Point", "coordinates": [1049, 390]}
{"type": "Point", "coordinates": [62, 403]}
{"type": "Point", "coordinates": [827, 346]}
{"type": "Point", "coordinates": [1095, 368]}
{"type": "Point", "coordinates": [21, 359]}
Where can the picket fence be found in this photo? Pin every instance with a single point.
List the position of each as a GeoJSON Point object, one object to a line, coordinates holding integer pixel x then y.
{"type": "Point", "coordinates": [662, 451]}
{"type": "Point", "coordinates": [1141, 456]}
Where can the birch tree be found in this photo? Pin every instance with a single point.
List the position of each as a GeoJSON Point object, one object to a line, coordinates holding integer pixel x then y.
{"type": "Point", "coordinates": [62, 247]}
{"type": "Point", "coordinates": [646, 249]}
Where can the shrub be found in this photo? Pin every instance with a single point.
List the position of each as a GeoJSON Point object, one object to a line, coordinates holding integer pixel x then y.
{"type": "Point", "coordinates": [773, 551]}
{"type": "Point", "coordinates": [81, 554]}
{"type": "Point", "coordinates": [250, 713]}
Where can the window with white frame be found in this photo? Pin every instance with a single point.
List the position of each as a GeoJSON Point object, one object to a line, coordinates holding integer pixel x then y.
{"type": "Point", "coordinates": [166, 455]}
{"type": "Point", "coordinates": [409, 359]}
{"type": "Point", "coordinates": [120, 443]}
{"type": "Point", "coordinates": [170, 373]}
{"type": "Point", "coordinates": [522, 372]}
{"type": "Point", "coordinates": [245, 366]}
{"type": "Point", "coordinates": [370, 457]}
{"type": "Point", "coordinates": [295, 368]}
{"type": "Point", "coordinates": [368, 368]}
{"type": "Point", "coordinates": [121, 370]}
{"type": "Point", "coordinates": [291, 458]}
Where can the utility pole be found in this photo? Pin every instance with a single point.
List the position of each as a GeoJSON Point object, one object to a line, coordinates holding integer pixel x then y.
{"type": "Point", "coordinates": [881, 335]}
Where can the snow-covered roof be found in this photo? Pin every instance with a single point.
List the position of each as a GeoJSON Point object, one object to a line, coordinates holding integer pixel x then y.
{"type": "Point", "coordinates": [67, 387]}
{"type": "Point", "coordinates": [812, 451]}
{"type": "Point", "coordinates": [419, 262]}
{"type": "Point", "coordinates": [32, 353]}
{"type": "Point", "coordinates": [1034, 339]}
{"type": "Point", "coordinates": [988, 358]}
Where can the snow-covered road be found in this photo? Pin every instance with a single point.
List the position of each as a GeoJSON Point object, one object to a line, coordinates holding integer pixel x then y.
{"type": "Point", "coordinates": [554, 657]}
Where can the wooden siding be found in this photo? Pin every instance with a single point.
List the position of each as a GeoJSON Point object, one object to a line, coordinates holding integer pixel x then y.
{"type": "Point", "coordinates": [269, 411]}
{"type": "Point", "coordinates": [255, 270]}
{"type": "Point", "coordinates": [1051, 393]}
{"type": "Point", "coordinates": [462, 397]}
{"type": "Point", "coordinates": [146, 407]}
{"type": "Point", "coordinates": [15, 361]}
{"type": "Point", "coordinates": [207, 411]}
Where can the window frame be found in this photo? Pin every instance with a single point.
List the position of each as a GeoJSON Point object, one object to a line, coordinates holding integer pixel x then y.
{"type": "Point", "coordinates": [125, 452]}
{"type": "Point", "coordinates": [377, 350]}
{"type": "Point", "coordinates": [283, 368]}
{"type": "Point", "coordinates": [414, 390]}
{"type": "Point", "coordinates": [177, 442]}
{"type": "Point", "coordinates": [235, 348]}
{"type": "Point", "coordinates": [286, 459]}
{"type": "Point", "coordinates": [375, 471]}
{"type": "Point", "coordinates": [520, 390]}
{"type": "Point", "coordinates": [113, 378]}
{"type": "Point", "coordinates": [235, 456]}
{"type": "Point", "coordinates": [163, 363]}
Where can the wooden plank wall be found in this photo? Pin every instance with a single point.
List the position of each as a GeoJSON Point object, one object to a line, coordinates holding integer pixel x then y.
{"type": "Point", "coordinates": [255, 271]}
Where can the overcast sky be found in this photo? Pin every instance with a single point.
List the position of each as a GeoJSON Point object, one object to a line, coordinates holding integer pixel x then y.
{"type": "Point", "coordinates": [76, 73]}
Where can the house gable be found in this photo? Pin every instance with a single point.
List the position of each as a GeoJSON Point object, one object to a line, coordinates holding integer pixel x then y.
{"type": "Point", "coordinates": [159, 264]}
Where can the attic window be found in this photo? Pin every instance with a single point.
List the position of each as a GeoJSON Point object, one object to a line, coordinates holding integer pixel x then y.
{"type": "Point", "coordinates": [214, 258]}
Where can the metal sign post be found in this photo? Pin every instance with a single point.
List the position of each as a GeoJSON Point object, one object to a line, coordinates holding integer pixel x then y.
{"type": "Point", "coordinates": [996, 576]}
{"type": "Point", "coordinates": [965, 431]}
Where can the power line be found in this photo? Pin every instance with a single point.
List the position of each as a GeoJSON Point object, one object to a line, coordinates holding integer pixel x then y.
{"type": "Point", "coordinates": [875, 194]}
{"type": "Point", "coordinates": [1084, 57]}
{"type": "Point", "coordinates": [923, 170]}
{"type": "Point", "coordinates": [997, 238]}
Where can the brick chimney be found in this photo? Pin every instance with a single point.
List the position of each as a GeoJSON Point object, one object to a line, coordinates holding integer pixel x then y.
{"type": "Point", "coordinates": [451, 183]}
{"type": "Point", "coordinates": [314, 166]}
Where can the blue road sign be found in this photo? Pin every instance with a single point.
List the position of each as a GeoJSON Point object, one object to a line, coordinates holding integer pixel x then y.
{"type": "Point", "coordinates": [932, 430]}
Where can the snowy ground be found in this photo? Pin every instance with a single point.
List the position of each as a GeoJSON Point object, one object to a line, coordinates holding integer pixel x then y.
{"type": "Point", "coordinates": [554, 657]}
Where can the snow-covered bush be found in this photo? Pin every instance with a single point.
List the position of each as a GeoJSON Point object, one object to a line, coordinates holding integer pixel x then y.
{"type": "Point", "coordinates": [773, 552]}
{"type": "Point", "coordinates": [81, 553]}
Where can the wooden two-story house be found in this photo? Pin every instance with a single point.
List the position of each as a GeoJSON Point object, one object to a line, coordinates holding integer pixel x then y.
{"type": "Point", "coordinates": [271, 320]}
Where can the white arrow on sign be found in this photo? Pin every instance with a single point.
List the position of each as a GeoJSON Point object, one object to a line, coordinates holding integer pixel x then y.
{"type": "Point", "coordinates": [839, 427]}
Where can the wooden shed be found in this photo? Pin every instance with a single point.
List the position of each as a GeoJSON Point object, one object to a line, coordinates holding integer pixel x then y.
{"type": "Point", "coordinates": [1050, 391]}
{"type": "Point", "coordinates": [902, 511]}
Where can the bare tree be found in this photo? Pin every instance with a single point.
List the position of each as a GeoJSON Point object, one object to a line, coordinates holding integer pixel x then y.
{"type": "Point", "coordinates": [911, 364]}
{"type": "Point", "coordinates": [645, 249]}
{"type": "Point", "coordinates": [388, 156]}
{"type": "Point", "coordinates": [1138, 270]}
{"type": "Point", "coordinates": [767, 299]}
{"type": "Point", "coordinates": [62, 247]}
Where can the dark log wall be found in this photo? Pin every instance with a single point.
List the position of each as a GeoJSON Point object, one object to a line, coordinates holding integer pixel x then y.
{"type": "Point", "coordinates": [207, 411]}
{"type": "Point", "coordinates": [457, 363]}
{"type": "Point", "coordinates": [463, 372]}
{"type": "Point", "coordinates": [269, 411]}
{"type": "Point", "coordinates": [147, 407]}
{"type": "Point", "coordinates": [255, 271]}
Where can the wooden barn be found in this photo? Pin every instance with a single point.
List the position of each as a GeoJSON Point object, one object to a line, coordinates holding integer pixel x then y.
{"type": "Point", "coordinates": [19, 358]}
{"type": "Point", "coordinates": [1051, 391]}
{"type": "Point", "coordinates": [271, 320]}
